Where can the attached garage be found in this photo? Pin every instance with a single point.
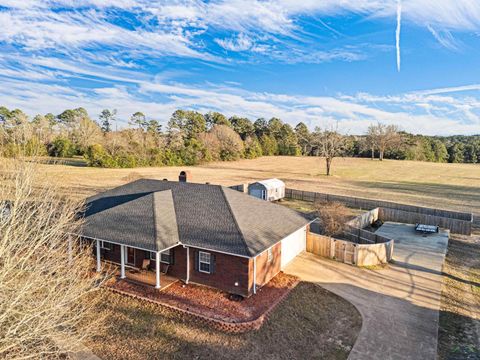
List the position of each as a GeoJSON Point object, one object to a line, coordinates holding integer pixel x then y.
{"type": "Point", "coordinates": [293, 245]}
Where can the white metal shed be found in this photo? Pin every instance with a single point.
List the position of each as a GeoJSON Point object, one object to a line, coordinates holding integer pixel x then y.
{"type": "Point", "coordinates": [270, 190]}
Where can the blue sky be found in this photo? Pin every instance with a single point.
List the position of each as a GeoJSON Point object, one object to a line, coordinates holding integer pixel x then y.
{"type": "Point", "coordinates": [320, 62]}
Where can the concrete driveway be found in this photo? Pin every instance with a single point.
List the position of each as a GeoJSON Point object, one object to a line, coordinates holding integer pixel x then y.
{"type": "Point", "coordinates": [399, 305]}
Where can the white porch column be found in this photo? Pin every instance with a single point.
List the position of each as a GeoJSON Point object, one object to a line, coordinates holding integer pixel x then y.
{"type": "Point", "coordinates": [157, 269]}
{"type": "Point", "coordinates": [122, 261]}
{"type": "Point", "coordinates": [99, 267]}
{"type": "Point", "coordinates": [188, 266]}
{"type": "Point", "coordinates": [255, 275]}
{"type": "Point", "coordinates": [70, 255]}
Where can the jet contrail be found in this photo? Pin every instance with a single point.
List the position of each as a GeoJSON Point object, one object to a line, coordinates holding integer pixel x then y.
{"type": "Point", "coordinates": [397, 32]}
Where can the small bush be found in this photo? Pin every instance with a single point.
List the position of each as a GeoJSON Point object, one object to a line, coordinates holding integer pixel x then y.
{"type": "Point", "coordinates": [61, 147]}
{"type": "Point", "coordinates": [333, 216]}
{"type": "Point", "coordinates": [98, 157]}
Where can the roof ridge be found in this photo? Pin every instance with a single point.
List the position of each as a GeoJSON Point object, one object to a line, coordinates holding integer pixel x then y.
{"type": "Point", "coordinates": [155, 219]}
{"type": "Point", "coordinates": [176, 217]}
{"type": "Point", "coordinates": [154, 203]}
{"type": "Point", "coordinates": [222, 188]}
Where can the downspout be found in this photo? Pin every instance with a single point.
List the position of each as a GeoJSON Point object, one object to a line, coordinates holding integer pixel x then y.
{"type": "Point", "coordinates": [98, 256]}
{"type": "Point", "coordinates": [254, 275]}
{"type": "Point", "coordinates": [122, 261]}
{"type": "Point", "coordinates": [157, 270]}
{"type": "Point", "coordinates": [188, 266]}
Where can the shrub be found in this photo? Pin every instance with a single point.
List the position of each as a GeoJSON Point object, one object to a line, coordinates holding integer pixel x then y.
{"type": "Point", "coordinates": [34, 147]}
{"type": "Point", "coordinates": [98, 157]}
{"type": "Point", "coordinates": [61, 147]}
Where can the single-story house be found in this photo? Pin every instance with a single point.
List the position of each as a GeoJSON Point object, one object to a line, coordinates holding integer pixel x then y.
{"type": "Point", "coordinates": [200, 233]}
{"type": "Point", "coordinates": [270, 189]}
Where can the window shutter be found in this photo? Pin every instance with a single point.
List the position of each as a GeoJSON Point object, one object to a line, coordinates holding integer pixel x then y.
{"type": "Point", "coordinates": [172, 256]}
{"type": "Point", "coordinates": [212, 263]}
{"type": "Point", "coordinates": [196, 261]}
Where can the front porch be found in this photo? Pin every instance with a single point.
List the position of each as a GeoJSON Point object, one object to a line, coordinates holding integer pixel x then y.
{"type": "Point", "coordinates": [140, 266]}
{"type": "Point", "coordinates": [142, 277]}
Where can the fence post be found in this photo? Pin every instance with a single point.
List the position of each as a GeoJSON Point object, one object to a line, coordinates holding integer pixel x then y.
{"type": "Point", "coordinates": [355, 254]}
{"type": "Point", "coordinates": [332, 248]}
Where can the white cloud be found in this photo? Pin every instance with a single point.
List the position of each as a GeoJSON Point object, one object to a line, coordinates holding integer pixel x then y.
{"type": "Point", "coordinates": [430, 111]}
{"type": "Point", "coordinates": [63, 24]}
{"type": "Point", "coordinates": [472, 87]}
{"type": "Point", "coordinates": [445, 38]}
{"type": "Point", "coordinates": [87, 43]}
{"type": "Point", "coordinates": [241, 42]}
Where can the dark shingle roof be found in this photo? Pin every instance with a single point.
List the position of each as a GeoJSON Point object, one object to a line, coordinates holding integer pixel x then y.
{"type": "Point", "coordinates": [155, 215]}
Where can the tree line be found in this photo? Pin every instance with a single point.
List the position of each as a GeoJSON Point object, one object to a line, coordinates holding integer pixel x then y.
{"type": "Point", "coordinates": [192, 138]}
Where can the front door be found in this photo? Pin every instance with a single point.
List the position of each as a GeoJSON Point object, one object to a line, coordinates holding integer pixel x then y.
{"type": "Point", "coordinates": [130, 256]}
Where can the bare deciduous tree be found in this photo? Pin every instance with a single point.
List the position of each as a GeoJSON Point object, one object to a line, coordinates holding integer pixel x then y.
{"type": "Point", "coordinates": [48, 294]}
{"type": "Point", "coordinates": [329, 143]}
{"type": "Point", "coordinates": [332, 216]}
{"type": "Point", "coordinates": [384, 137]}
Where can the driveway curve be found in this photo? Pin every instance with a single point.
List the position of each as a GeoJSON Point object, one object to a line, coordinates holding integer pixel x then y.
{"type": "Point", "coordinates": [399, 304]}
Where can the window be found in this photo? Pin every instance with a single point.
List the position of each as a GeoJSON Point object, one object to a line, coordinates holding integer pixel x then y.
{"type": "Point", "coordinates": [106, 245]}
{"type": "Point", "coordinates": [269, 255]}
{"type": "Point", "coordinates": [152, 256]}
{"type": "Point", "coordinates": [165, 256]}
{"type": "Point", "coordinates": [204, 262]}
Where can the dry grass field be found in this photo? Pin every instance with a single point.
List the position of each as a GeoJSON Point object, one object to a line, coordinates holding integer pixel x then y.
{"type": "Point", "coordinates": [448, 186]}
{"type": "Point", "coordinates": [459, 330]}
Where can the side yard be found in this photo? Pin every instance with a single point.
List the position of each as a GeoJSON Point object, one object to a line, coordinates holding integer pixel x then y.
{"type": "Point", "coordinates": [459, 330]}
{"type": "Point", "coordinates": [310, 323]}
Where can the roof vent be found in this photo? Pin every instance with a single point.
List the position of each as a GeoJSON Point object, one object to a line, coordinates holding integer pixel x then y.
{"type": "Point", "coordinates": [184, 176]}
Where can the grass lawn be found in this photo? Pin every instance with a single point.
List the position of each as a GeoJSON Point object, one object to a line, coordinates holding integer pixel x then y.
{"type": "Point", "coordinates": [310, 323]}
{"type": "Point", "coordinates": [459, 331]}
{"type": "Point", "coordinates": [450, 186]}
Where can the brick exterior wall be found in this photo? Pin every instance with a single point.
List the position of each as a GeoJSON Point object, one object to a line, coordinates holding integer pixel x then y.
{"type": "Point", "coordinates": [266, 270]}
{"type": "Point", "coordinates": [179, 267]}
{"type": "Point", "coordinates": [228, 269]}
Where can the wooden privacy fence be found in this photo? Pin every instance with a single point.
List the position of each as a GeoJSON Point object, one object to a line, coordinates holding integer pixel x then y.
{"type": "Point", "coordinates": [349, 252]}
{"type": "Point", "coordinates": [456, 222]}
{"type": "Point", "coordinates": [455, 226]}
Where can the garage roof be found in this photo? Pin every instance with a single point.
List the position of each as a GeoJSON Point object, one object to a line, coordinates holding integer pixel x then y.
{"type": "Point", "coordinates": [155, 215]}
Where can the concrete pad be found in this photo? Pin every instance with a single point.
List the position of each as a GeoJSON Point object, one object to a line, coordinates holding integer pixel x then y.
{"type": "Point", "coordinates": [399, 305]}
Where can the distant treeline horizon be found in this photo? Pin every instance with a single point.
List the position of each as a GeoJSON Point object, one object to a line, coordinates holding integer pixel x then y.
{"type": "Point", "coordinates": [192, 138]}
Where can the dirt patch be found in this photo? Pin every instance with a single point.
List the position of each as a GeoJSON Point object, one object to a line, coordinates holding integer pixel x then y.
{"type": "Point", "coordinates": [214, 303]}
{"type": "Point", "coordinates": [310, 323]}
{"type": "Point", "coordinates": [459, 329]}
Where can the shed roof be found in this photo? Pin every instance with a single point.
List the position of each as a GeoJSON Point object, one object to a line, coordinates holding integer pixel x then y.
{"type": "Point", "coordinates": [271, 183]}
{"type": "Point", "coordinates": [155, 215]}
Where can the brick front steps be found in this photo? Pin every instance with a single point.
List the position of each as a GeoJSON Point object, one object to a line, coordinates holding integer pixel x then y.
{"type": "Point", "coordinates": [228, 316]}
